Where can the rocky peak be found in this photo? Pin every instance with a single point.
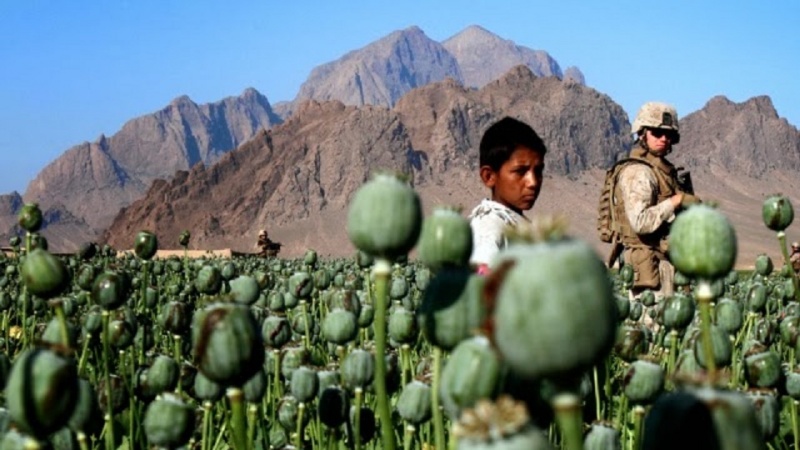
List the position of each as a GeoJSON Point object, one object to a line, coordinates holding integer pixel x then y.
{"type": "Point", "coordinates": [746, 138]}
{"type": "Point", "coordinates": [472, 45]}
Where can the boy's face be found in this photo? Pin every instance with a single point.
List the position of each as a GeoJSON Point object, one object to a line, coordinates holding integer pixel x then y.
{"type": "Point", "coordinates": [518, 182]}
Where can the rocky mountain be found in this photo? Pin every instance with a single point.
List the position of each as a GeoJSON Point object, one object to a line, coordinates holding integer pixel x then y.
{"type": "Point", "coordinates": [92, 181]}
{"type": "Point", "coordinates": [381, 72]}
{"type": "Point", "coordinates": [745, 138]}
{"type": "Point", "coordinates": [326, 150]}
{"type": "Point", "coordinates": [471, 45]}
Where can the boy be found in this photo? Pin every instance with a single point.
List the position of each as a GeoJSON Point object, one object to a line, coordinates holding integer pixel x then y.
{"type": "Point", "coordinates": [511, 166]}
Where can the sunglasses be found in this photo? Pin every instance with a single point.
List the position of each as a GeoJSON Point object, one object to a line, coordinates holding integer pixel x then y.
{"type": "Point", "coordinates": [658, 133]}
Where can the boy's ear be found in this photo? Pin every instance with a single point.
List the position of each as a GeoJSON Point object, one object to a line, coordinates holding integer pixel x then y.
{"type": "Point", "coordinates": [488, 176]}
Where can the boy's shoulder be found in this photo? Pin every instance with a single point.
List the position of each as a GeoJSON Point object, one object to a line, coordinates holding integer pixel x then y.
{"type": "Point", "coordinates": [491, 211]}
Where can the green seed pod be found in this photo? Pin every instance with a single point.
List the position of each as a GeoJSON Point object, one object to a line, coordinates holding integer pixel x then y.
{"type": "Point", "coordinates": [184, 237]}
{"type": "Point", "coordinates": [790, 330]}
{"type": "Point", "coordinates": [276, 331]}
{"type": "Point", "coordinates": [121, 334]}
{"type": "Point", "coordinates": [623, 307]}
{"type": "Point", "coordinates": [648, 298]}
{"type": "Point", "coordinates": [471, 372]}
{"type": "Point", "coordinates": [145, 245]}
{"type": "Point", "coordinates": [42, 391]}
{"type": "Point", "coordinates": [86, 277]}
{"type": "Point", "coordinates": [366, 315]}
{"type": "Point", "coordinates": [402, 326]}
{"type": "Point", "coordinates": [52, 334]}
{"type": "Point", "coordinates": [300, 323]}
{"type": "Point", "coordinates": [765, 331]}
{"type": "Point", "coordinates": [288, 410]}
{"type": "Point", "coordinates": [631, 342]}
{"type": "Point", "coordinates": [793, 384]}
{"type": "Point", "coordinates": [643, 382]}
{"type": "Point", "coordinates": [602, 436]}
{"type": "Point", "coordinates": [398, 288]}
{"type": "Point", "coordinates": [729, 315]}
{"type": "Point", "coordinates": [763, 369]}
{"type": "Point", "coordinates": [208, 280]}
{"type": "Point", "coordinates": [339, 326]}
{"type": "Point", "coordinates": [626, 274]}
{"type": "Point", "coordinates": [174, 318]}
{"type": "Point", "coordinates": [43, 274]}
{"type": "Point", "coordinates": [702, 243]}
{"type": "Point", "coordinates": [110, 290]}
{"type": "Point", "coordinates": [445, 239]}
{"type": "Point", "coordinates": [763, 265]}
{"type": "Point", "coordinates": [206, 390]}
{"type": "Point", "coordinates": [276, 301]}
{"type": "Point", "coordinates": [256, 387]}
{"type": "Point", "coordinates": [768, 411]}
{"type": "Point", "coordinates": [163, 374]}
{"type": "Point", "coordinates": [169, 422]}
{"type": "Point", "coordinates": [334, 402]}
{"type": "Point", "coordinates": [304, 384]}
{"type": "Point", "coordinates": [451, 307]}
{"type": "Point", "coordinates": [722, 348]}
{"type": "Point", "coordinates": [384, 218]}
{"type": "Point", "coordinates": [756, 297]}
{"type": "Point", "coordinates": [301, 285]}
{"type": "Point", "coordinates": [414, 404]}
{"type": "Point", "coordinates": [30, 217]}
{"type": "Point", "coordinates": [358, 369]}
{"type": "Point", "coordinates": [535, 313]}
{"type": "Point", "coordinates": [777, 212]}
{"type": "Point", "coordinates": [322, 279]}
{"type": "Point", "coordinates": [310, 257]}
{"type": "Point", "coordinates": [244, 290]}
{"type": "Point", "coordinates": [86, 416]}
{"type": "Point", "coordinates": [228, 271]}
{"type": "Point", "coordinates": [227, 343]}
{"type": "Point", "coordinates": [636, 311]}
{"type": "Point", "coordinates": [678, 311]}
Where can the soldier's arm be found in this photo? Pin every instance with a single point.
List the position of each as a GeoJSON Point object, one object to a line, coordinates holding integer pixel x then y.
{"type": "Point", "coordinates": [639, 191]}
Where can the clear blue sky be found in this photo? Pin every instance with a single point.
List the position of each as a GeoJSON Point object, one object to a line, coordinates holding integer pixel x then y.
{"type": "Point", "coordinates": [71, 70]}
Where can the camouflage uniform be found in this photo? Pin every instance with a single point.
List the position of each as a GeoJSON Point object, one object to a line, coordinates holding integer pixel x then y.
{"type": "Point", "coordinates": [488, 221]}
{"type": "Point", "coordinates": [638, 188]}
{"type": "Point", "coordinates": [794, 259]}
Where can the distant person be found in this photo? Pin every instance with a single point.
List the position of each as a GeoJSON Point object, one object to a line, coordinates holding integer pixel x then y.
{"type": "Point", "coordinates": [794, 258]}
{"type": "Point", "coordinates": [511, 167]}
{"type": "Point", "coordinates": [647, 195]}
{"type": "Point", "coordinates": [267, 247]}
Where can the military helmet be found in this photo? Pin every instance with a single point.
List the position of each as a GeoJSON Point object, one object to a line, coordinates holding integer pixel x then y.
{"type": "Point", "coordinates": [262, 233]}
{"type": "Point", "coordinates": [795, 244]}
{"type": "Point", "coordinates": [655, 115]}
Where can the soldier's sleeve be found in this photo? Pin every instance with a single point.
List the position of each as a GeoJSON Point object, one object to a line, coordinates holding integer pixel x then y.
{"type": "Point", "coordinates": [639, 189]}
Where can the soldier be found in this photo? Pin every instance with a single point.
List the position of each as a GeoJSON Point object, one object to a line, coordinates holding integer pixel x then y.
{"type": "Point", "coordinates": [647, 195]}
{"type": "Point", "coordinates": [794, 259]}
{"type": "Point", "coordinates": [267, 247]}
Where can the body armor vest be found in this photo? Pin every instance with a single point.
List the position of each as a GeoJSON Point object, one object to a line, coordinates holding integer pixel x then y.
{"type": "Point", "coordinates": [667, 177]}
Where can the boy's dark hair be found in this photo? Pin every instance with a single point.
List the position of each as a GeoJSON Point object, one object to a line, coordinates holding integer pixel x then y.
{"type": "Point", "coordinates": [503, 137]}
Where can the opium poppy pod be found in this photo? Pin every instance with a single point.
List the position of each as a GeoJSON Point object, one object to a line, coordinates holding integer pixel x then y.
{"type": "Point", "coordinates": [384, 217]}
{"type": "Point", "coordinates": [702, 243]}
{"type": "Point", "coordinates": [555, 311]}
{"type": "Point", "coordinates": [446, 239]}
{"type": "Point", "coordinates": [777, 212]}
{"type": "Point", "coordinates": [43, 274]}
{"type": "Point", "coordinates": [227, 343]}
{"type": "Point", "coordinates": [146, 245]}
{"type": "Point", "coordinates": [169, 422]}
{"type": "Point", "coordinates": [30, 217]}
{"type": "Point", "coordinates": [42, 391]}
